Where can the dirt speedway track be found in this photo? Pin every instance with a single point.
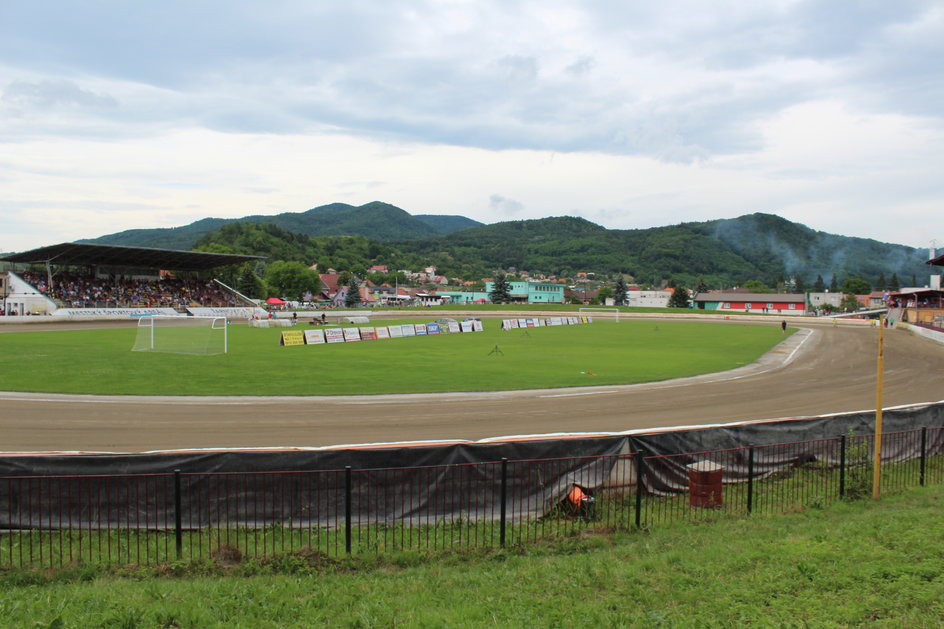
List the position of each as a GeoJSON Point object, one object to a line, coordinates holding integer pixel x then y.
{"type": "Point", "coordinates": [821, 369]}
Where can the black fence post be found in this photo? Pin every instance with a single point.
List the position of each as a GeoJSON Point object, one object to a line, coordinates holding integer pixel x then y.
{"type": "Point", "coordinates": [504, 500]}
{"type": "Point", "coordinates": [640, 487]}
{"type": "Point", "coordinates": [924, 452]}
{"type": "Point", "coordinates": [750, 479]}
{"type": "Point", "coordinates": [347, 509]}
{"type": "Point", "coordinates": [842, 466]}
{"type": "Point", "coordinates": [178, 516]}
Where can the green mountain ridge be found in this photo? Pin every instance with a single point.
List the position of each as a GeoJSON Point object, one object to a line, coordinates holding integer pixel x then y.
{"type": "Point", "coordinates": [376, 220]}
{"type": "Point", "coordinates": [724, 252]}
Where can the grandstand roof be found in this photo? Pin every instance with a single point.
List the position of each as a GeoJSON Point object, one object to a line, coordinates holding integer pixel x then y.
{"type": "Point", "coordinates": [71, 253]}
{"type": "Point", "coordinates": [938, 261]}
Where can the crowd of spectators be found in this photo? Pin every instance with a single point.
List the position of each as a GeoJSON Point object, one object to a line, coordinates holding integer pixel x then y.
{"type": "Point", "coordinates": [74, 290]}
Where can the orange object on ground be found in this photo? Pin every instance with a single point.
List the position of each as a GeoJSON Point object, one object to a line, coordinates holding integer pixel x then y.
{"type": "Point", "coordinates": [576, 496]}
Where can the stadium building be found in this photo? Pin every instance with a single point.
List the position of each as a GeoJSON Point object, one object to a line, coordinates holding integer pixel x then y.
{"type": "Point", "coordinates": [82, 280]}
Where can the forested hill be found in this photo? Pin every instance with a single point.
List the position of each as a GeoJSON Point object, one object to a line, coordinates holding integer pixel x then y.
{"type": "Point", "coordinates": [376, 220]}
{"type": "Point", "coordinates": [755, 246]}
{"type": "Point", "coordinates": [724, 252]}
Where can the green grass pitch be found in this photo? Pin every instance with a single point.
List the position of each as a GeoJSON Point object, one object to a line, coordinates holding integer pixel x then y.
{"type": "Point", "coordinates": [600, 353]}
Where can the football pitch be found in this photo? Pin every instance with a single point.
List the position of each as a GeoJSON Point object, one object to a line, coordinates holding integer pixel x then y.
{"type": "Point", "coordinates": [100, 361]}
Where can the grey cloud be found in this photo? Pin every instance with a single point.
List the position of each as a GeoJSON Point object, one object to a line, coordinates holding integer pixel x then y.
{"type": "Point", "coordinates": [581, 67]}
{"type": "Point", "coordinates": [518, 69]}
{"type": "Point", "coordinates": [54, 93]}
{"type": "Point", "coordinates": [179, 43]}
{"type": "Point", "coordinates": [504, 206]}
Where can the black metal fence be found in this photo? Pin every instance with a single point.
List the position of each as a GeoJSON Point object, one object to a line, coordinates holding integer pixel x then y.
{"type": "Point", "coordinates": [143, 519]}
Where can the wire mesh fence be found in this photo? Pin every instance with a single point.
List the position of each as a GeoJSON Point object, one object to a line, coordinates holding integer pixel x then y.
{"type": "Point", "coordinates": [149, 519]}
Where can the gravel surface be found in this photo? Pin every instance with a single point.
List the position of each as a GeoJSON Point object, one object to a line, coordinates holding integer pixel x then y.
{"type": "Point", "coordinates": [821, 369]}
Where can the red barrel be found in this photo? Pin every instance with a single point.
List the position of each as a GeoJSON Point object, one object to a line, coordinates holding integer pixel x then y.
{"type": "Point", "coordinates": [704, 484]}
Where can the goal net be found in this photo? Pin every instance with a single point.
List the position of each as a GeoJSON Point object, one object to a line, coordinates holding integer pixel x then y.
{"type": "Point", "coordinates": [613, 313]}
{"type": "Point", "coordinates": [182, 335]}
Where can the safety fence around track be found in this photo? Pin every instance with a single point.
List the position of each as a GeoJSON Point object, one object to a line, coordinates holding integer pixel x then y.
{"type": "Point", "coordinates": [158, 518]}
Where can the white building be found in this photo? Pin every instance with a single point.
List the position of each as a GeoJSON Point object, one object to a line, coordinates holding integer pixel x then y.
{"type": "Point", "coordinates": [648, 298]}
{"type": "Point", "coordinates": [818, 300]}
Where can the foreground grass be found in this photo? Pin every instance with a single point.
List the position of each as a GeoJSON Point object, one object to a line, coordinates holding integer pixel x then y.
{"type": "Point", "coordinates": [861, 564]}
{"type": "Point", "coordinates": [601, 353]}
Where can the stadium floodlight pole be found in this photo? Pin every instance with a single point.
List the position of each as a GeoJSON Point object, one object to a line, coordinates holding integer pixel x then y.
{"type": "Point", "coordinates": [880, 368]}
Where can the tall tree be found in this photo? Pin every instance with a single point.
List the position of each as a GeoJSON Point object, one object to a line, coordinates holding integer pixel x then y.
{"type": "Point", "coordinates": [250, 284]}
{"type": "Point", "coordinates": [292, 280]}
{"type": "Point", "coordinates": [849, 303]}
{"type": "Point", "coordinates": [353, 295]}
{"type": "Point", "coordinates": [501, 290]}
{"type": "Point", "coordinates": [605, 292]}
{"type": "Point", "coordinates": [619, 293]}
{"type": "Point", "coordinates": [798, 285]}
{"type": "Point", "coordinates": [702, 286]}
{"type": "Point", "coordinates": [880, 283]}
{"type": "Point", "coordinates": [819, 285]}
{"type": "Point", "coordinates": [894, 284]}
{"type": "Point", "coordinates": [834, 284]}
{"type": "Point", "coordinates": [856, 286]}
{"type": "Point", "coordinates": [679, 298]}
{"type": "Point", "coordinates": [756, 286]}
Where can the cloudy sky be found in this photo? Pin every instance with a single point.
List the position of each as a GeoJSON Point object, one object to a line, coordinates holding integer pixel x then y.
{"type": "Point", "coordinates": [632, 114]}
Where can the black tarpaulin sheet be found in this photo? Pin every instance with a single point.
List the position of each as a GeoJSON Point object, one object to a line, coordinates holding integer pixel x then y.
{"type": "Point", "coordinates": [407, 485]}
{"type": "Point", "coordinates": [784, 443]}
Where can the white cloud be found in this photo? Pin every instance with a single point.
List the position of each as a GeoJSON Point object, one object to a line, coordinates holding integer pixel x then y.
{"type": "Point", "coordinates": [115, 116]}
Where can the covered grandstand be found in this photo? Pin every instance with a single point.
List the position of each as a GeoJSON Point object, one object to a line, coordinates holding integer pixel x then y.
{"type": "Point", "coordinates": [72, 279]}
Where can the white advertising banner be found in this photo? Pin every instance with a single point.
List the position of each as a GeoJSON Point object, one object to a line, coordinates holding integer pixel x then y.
{"type": "Point", "coordinates": [314, 337]}
{"type": "Point", "coordinates": [351, 335]}
{"type": "Point", "coordinates": [116, 312]}
{"type": "Point", "coordinates": [334, 335]}
{"type": "Point", "coordinates": [229, 313]}
{"type": "Point", "coordinates": [383, 332]}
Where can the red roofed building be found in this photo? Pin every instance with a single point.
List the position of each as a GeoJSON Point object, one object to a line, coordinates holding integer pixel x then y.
{"type": "Point", "coordinates": [329, 284]}
{"type": "Point", "coordinates": [771, 303]}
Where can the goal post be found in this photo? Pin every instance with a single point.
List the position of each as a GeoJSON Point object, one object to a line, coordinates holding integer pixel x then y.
{"type": "Point", "coordinates": [613, 313]}
{"type": "Point", "coordinates": [182, 335]}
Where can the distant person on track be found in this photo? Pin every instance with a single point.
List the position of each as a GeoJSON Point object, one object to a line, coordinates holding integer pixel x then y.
{"type": "Point", "coordinates": [783, 326]}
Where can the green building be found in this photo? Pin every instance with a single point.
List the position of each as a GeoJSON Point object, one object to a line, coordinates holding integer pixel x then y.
{"type": "Point", "coordinates": [533, 292]}
{"type": "Point", "coordinates": [463, 297]}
